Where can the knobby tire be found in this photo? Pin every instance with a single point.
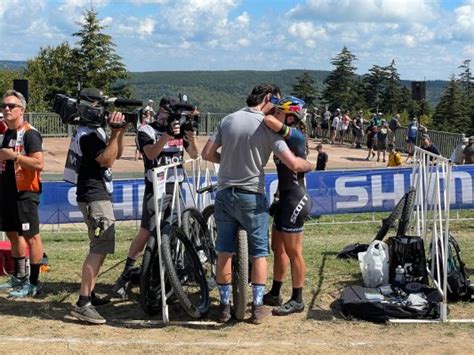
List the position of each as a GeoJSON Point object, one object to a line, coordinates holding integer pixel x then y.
{"type": "Point", "coordinates": [150, 286]}
{"type": "Point", "coordinates": [185, 272]}
{"type": "Point", "coordinates": [240, 275]}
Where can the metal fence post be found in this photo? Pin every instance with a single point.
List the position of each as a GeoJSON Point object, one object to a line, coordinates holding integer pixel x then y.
{"type": "Point", "coordinates": [208, 122]}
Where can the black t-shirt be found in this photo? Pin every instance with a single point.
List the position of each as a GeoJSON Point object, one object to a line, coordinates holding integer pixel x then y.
{"type": "Point", "coordinates": [432, 149]}
{"type": "Point", "coordinates": [321, 161]}
{"type": "Point", "coordinates": [90, 180]}
{"type": "Point", "coordinates": [32, 143]}
{"type": "Point", "coordinates": [172, 152]}
{"type": "Point", "coordinates": [469, 154]}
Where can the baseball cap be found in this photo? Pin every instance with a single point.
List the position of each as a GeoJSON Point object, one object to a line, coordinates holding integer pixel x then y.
{"type": "Point", "coordinates": [168, 100]}
{"type": "Point", "coordinates": [425, 136]}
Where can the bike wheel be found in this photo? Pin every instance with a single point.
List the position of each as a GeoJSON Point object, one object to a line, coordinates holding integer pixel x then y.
{"type": "Point", "coordinates": [185, 272]}
{"type": "Point", "coordinates": [405, 217]}
{"type": "Point", "coordinates": [150, 286]}
{"type": "Point", "coordinates": [240, 275]}
{"type": "Point", "coordinates": [208, 215]}
{"type": "Point", "coordinates": [389, 222]}
{"type": "Point", "coordinates": [195, 228]}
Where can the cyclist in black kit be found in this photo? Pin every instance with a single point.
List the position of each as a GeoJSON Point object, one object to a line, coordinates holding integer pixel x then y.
{"type": "Point", "coordinates": [289, 208]}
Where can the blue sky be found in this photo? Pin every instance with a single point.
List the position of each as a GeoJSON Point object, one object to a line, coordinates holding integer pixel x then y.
{"type": "Point", "coordinates": [428, 39]}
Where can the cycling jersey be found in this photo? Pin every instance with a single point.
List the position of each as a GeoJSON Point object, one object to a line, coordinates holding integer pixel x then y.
{"type": "Point", "coordinates": [294, 204]}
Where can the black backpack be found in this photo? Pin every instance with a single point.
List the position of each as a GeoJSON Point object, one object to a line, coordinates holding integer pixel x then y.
{"type": "Point", "coordinates": [459, 284]}
{"type": "Point", "coordinates": [409, 252]}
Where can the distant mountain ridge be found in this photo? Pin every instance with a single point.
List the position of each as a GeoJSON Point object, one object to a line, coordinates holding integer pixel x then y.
{"type": "Point", "coordinates": [12, 65]}
{"type": "Point", "coordinates": [223, 91]}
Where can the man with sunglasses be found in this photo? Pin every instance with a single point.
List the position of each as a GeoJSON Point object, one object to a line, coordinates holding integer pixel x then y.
{"type": "Point", "coordinates": [21, 162]}
{"type": "Point", "coordinates": [245, 146]}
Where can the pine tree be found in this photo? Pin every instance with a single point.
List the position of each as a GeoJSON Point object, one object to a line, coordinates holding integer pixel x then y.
{"type": "Point", "coordinates": [450, 113]}
{"type": "Point", "coordinates": [392, 93]}
{"type": "Point", "coordinates": [339, 84]}
{"type": "Point", "coordinates": [466, 81]}
{"type": "Point", "coordinates": [97, 62]}
{"type": "Point", "coordinates": [305, 89]}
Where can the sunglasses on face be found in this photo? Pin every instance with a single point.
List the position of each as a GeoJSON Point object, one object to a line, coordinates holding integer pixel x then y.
{"type": "Point", "coordinates": [10, 106]}
{"type": "Point", "coordinates": [274, 99]}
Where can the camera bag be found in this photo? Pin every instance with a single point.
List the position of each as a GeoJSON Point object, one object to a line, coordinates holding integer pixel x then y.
{"type": "Point", "coordinates": [368, 303]}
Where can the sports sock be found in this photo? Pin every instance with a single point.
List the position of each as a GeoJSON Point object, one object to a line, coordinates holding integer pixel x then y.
{"type": "Point", "coordinates": [20, 267]}
{"type": "Point", "coordinates": [224, 292]}
{"type": "Point", "coordinates": [83, 300]}
{"type": "Point", "coordinates": [276, 287]}
{"type": "Point", "coordinates": [34, 273]}
{"type": "Point", "coordinates": [297, 294]}
{"type": "Point", "coordinates": [257, 291]}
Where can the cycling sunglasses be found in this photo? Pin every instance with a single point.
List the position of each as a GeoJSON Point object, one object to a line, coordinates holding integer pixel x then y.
{"type": "Point", "coordinates": [274, 99]}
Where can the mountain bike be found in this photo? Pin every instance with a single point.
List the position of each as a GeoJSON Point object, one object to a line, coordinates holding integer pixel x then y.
{"type": "Point", "coordinates": [240, 261]}
{"type": "Point", "coordinates": [183, 275]}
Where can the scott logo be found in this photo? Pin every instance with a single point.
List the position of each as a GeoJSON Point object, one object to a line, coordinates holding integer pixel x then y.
{"type": "Point", "coordinates": [298, 209]}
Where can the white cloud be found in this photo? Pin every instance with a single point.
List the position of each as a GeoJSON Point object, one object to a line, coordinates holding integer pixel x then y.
{"type": "Point", "coordinates": [132, 26]}
{"type": "Point", "coordinates": [468, 50]}
{"type": "Point", "coordinates": [409, 41]}
{"type": "Point", "coordinates": [465, 19]}
{"type": "Point", "coordinates": [366, 10]}
{"type": "Point", "coordinates": [147, 2]}
{"type": "Point", "coordinates": [146, 27]}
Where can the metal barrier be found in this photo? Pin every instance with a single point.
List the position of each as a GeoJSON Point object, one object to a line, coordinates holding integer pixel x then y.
{"type": "Point", "coordinates": [49, 125]}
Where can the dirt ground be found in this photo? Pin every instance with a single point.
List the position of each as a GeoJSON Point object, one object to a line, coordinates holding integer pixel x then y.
{"type": "Point", "coordinates": [48, 329]}
{"type": "Point", "coordinates": [35, 326]}
{"type": "Point", "coordinates": [340, 156]}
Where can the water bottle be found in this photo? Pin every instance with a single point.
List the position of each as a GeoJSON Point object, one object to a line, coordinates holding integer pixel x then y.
{"type": "Point", "coordinates": [399, 280]}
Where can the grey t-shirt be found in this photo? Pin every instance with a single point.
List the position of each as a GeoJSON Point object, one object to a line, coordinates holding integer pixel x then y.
{"type": "Point", "coordinates": [246, 144]}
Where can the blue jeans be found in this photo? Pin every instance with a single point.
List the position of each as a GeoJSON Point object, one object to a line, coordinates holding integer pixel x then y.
{"type": "Point", "coordinates": [235, 208]}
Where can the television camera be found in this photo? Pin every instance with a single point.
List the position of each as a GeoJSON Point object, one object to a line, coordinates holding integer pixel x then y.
{"type": "Point", "coordinates": [92, 108]}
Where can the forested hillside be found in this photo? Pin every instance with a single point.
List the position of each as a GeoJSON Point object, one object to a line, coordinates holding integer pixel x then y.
{"type": "Point", "coordinates": [223, 91]}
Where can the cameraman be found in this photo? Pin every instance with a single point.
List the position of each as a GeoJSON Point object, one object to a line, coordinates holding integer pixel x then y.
{"type": "Point", "coordinates": [94, 197]}
{"type": "Point", "coordinates": [159, 147]}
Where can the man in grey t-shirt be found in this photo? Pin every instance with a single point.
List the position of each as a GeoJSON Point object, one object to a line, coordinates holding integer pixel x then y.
{"type": "Point", "coordinates": [246, 144]}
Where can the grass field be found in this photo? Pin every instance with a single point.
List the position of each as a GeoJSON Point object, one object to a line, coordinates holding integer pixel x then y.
{"type": "Point", "coordinates": [326, 276]}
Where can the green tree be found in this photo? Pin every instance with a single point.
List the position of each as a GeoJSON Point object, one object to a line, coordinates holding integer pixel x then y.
{"type": "Point", "coordinates": [383, 90]}
{"type": "Point", "coordinates": [97, 62]}
{"type": "Point", "coordinates": [339, 84]}
{"type": "Point", "coordinates": [374, 84]}
{"type": "Point", "coordinates": [466, 81]}
{"type": "Point", "coordinates": [392, 94]}
{"type": "Point", "coordinates": [50, 73]}
{"type": "Point", "coordinates": [6, 79]}
{"type": "Point", "coordinates": [305, 89]}
{"type": "Point", "coordinates": [450, 113]}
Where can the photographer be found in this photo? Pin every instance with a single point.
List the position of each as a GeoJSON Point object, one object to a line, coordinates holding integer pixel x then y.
{"type": "Point", "coordinates": [21, 163]}
{"type": "Point", "coordinates": [94, 196]}
{"type": "Point", "coordinates": [161, 144]}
